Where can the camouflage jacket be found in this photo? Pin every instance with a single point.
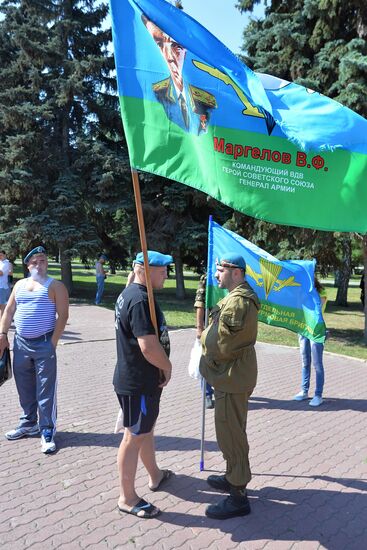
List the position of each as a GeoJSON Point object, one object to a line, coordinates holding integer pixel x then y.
{"type": "Point", "coordinates": [229, 358]}
{"type": "Point", "coordinates": [200, 293]}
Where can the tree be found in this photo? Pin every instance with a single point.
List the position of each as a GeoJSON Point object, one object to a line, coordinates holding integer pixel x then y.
{"type": "Point", "coordinates": [23, 182]}
{"type": "Point", "coordinates": [318, 44]}
{"type": "Point", "coordinates": [59, 108]}
{"type": "Point", "coordinates": [176, 218]}
{"type": "Point", "coordinates": [286, 243]}
{"type": "Point", "coordinates": [86, 126]}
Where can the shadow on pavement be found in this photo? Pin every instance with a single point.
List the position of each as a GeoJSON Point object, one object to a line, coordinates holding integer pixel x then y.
{"type": "Point", "coordinates": [351, 483]}
{"type": "Point", "coordinates": [87, 439]}
{"type": "Point", "coordinates": [163, 443]}
{"type": "Point", "coordinates": [281, 514]}
{"type": "Point", "coordinates": [168, 443]}
{"type": "Point", "coordinates": [70, 335]}
{"type": "Point", "coordinates": [329, 404]}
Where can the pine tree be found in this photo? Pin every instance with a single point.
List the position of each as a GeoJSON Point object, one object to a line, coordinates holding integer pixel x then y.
{"type": "Point", "coordinates": [87, 130]}
{"type": "Point", "coordinates": [23, 181]}
{"type": "Point", "coordinates": [182, 214]}
{"type": "Point", "coordinates": [75, 160]}
{"type": "Point", "coordinates": [320, 44]}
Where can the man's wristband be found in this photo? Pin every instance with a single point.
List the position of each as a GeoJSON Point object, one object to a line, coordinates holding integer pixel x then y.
{"type": "Point", "coordinates": [5, 333]}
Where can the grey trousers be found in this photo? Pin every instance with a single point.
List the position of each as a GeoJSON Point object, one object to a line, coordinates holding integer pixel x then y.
{"type": "Point", "coordinates": [35, 375]}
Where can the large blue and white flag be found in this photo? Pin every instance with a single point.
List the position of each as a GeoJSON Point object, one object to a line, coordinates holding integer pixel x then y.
{"type": "Point", "coordinates": [192, 112]}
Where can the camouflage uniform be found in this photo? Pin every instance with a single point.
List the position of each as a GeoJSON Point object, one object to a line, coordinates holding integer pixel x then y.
{"type": "Point", "coordinates": [200, 293]}
{"type": "Point", "coordinates": [229, 364]}
{"type": "Point", "coordinates": [200, 303]}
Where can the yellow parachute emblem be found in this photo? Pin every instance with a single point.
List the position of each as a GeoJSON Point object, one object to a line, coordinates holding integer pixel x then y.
{"type": "Point", "coordinates": [268, 277]}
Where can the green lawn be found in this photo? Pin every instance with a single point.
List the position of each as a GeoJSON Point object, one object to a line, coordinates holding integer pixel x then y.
{"type": "Point", "coordinates": [345, 325]}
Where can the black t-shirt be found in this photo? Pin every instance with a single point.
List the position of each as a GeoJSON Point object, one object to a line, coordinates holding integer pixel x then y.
{"type": "Point", "coordinates": [133, 373]}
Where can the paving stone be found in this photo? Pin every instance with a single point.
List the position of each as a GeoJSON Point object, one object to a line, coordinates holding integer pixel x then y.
{"type": "Point", "coordinates": [308, 488]}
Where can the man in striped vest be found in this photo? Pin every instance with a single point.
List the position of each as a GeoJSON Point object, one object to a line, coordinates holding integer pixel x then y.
{"type": "Point", "coordinates": [39, 306]}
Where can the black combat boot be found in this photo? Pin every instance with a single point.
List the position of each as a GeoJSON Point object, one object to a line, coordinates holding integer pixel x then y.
{"type": "Point", "coordinates": [236, 504]}
{"type": "Point", "coordinates": [220, 483]}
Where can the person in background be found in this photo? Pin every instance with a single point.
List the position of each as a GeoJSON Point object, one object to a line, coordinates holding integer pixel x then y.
{"type": "Point", "coordinates": [199, 306]}
{"type": "Point", "coordinates": [39, 306]}
{"type": "Point", "coordinates": [4, 284]}
{"type": "Point", "coordinates": [101, 275]}
{"type": "Point", "coordinates": [10, 278]}
{"type": "Point", "coordinates": [312, 352]}
{"type": "Point", "coordinates": [361, 286]}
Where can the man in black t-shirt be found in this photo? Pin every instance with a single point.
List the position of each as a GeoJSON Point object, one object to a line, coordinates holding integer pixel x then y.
{"type": "Point", "coordinates": [142, 370]}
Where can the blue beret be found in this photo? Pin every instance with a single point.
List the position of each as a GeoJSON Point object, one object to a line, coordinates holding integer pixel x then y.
{"type": "Point", "coordinates": [103, 256]}
{"type": "Point", "coordinates": [231, 259]}
{"type": "Point", "coordinates": [37, 250]}
{"type": "Point", "coordinates": [155, 259]}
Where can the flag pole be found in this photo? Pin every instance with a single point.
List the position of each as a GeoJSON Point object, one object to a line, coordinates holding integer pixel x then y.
{"type": "Point", "coordinates": [203, 381]}
{"type": "Point", "coordinates": [143, 243]}
{"type": "Point", "coordinates": [203, 389]}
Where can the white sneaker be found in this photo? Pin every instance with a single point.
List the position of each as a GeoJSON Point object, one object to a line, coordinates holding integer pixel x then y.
{"type": "Point", "coordinates": [48, 445]}
{"type": "Point", "coordinates": [316, 401]}
{"type": "Point", "coordinates": [301, 396]}
{"type": "Point", "coordinates": [22, 431]}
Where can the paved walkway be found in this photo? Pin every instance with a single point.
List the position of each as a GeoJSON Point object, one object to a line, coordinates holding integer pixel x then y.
{"type": "Point", "coordinates": [309, 466]}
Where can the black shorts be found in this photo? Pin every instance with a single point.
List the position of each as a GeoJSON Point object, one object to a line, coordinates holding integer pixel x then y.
{"type": "Point", "coordinates": [140, 412]}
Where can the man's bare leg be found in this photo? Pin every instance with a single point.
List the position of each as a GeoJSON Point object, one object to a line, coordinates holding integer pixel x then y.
{"type": "Point", "coordinates": [127, 461]}
{"type": "Point", "coordinates": [147, 455]}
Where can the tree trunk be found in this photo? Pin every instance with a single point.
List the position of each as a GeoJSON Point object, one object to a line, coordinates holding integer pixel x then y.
{"type": "Point", "coordinates": [66, 272]}
{"type": "Point", "coordinates": [345, 271]}
{"type": "Point", "coordinates": [365, 286]}
{"type": "Point", "coordinates": [180, 283]}
{"type": "Point", "coordinates": [336, 278]}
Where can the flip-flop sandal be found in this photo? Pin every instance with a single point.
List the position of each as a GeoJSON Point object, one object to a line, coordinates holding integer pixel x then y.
{"type": "Point", "coordinates": [142, 509]}
{"type": "Point", "coordinates": [165, 477]}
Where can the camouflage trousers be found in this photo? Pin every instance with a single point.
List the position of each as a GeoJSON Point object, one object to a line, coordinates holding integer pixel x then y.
{"type": "Point", "coordinates": [230, 425]}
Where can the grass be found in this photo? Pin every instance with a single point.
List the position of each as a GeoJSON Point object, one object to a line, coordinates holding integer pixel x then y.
{"type": "Point", "coordinates": [345, 324]}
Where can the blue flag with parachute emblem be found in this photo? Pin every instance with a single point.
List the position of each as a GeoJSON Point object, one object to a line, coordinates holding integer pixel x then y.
{"type": "Point", "coordinates": [285, 289]}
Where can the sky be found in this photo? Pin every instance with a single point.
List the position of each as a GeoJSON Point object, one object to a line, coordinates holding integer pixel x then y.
{"type": "Point", "coordinates": [222, 19]}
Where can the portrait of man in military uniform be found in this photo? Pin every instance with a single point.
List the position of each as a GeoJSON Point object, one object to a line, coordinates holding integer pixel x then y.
{"type": "Point", "coordinates": [186, 105]}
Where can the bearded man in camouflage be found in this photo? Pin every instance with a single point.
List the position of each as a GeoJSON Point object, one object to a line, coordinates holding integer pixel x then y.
{"type": "Point", "coordinates": [229, 364]}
